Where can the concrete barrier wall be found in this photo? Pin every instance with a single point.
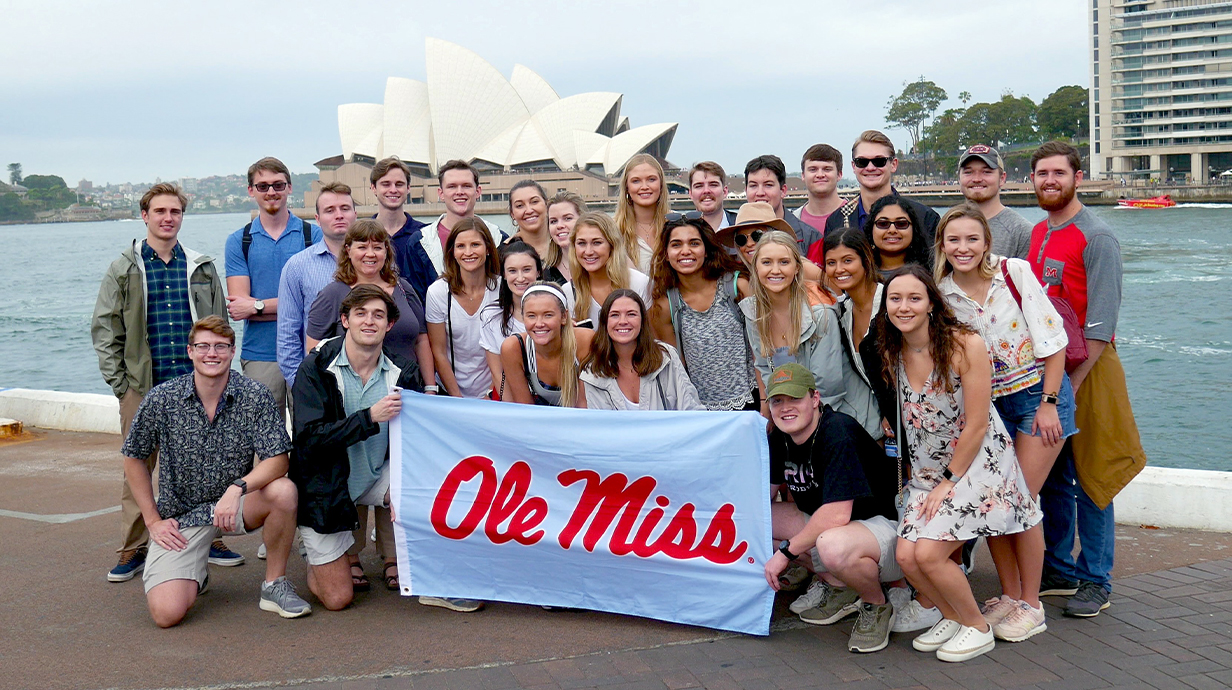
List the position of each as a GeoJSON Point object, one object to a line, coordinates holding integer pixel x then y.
{"type": "Point", "coordinates": [1159, 496]}
{"type": "Point", "coordinates": [64, 411]}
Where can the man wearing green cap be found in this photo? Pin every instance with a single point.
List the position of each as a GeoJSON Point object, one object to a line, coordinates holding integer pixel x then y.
{"type": "Point", "coordinates": [843, 515]}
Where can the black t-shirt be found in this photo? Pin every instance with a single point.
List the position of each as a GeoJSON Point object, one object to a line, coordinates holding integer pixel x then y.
{"type": "Point", "coordinates": [841, 463]}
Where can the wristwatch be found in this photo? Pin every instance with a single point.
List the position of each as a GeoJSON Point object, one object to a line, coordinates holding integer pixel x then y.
{"type": "Point", "coordinates": [947, 474]}
{"type": "Point", "coordinates": [242, 484]}
{"type": "Point", "coordinates": [259, 305]}
{"type": "Point", "coordinates": [786, 551]}
{"type": "Point", "coordinates": [1049, 398]}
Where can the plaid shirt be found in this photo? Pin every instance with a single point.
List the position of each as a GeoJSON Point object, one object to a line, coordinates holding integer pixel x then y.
{"type": "Point", "coordinates": [168, 317]}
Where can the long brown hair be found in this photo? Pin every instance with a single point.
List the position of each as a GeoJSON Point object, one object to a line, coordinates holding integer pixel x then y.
{"type": "Point", "coordinates": [491, 263]}
{"type": "Point", "coordinates": [647, 352]}
{"type": "Point", "coordinates": [365, 230]}
{"type": "Point", "coordinates": [715, 264]}
{"type": "Point", "coordinates": [944, 330]}
{"type": "Point", "coordinates": [625, 218]}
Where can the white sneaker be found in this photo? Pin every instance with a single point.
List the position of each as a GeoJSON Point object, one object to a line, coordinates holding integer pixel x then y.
{"type": "Point", "coordinates": [1021, 623]}
{"type": "Point", "coordinates": [811, 598]}
{"type": "Point", "coordinates": [997, 608]}
{"type": "Point", "coordinates": [912, 616]}
{"type": "Point", "coordinates": [967, 644]}
{"type": "Point", "coordinates": [937, 635]}
{"type": "Point", "coordinates": [261, 551]}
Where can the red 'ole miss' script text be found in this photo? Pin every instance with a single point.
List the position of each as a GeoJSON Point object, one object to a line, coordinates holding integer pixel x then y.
{"type": "Point", "coordinates": [611, 502]}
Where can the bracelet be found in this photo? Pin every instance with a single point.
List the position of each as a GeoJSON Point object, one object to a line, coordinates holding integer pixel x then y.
{"type": "Point", "coordinates": [948, 475]}
{"type": "Point", "coordinates": [1049, 398]}
{"type": "Point", "coordinates": [432, 389]}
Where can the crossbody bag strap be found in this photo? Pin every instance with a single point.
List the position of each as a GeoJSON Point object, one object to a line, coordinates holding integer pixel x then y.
{"type": "Point", "coordinates": [1009, 282]}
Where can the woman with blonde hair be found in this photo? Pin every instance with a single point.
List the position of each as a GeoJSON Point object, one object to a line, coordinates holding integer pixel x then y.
{"type": "Point", "coordinates": [642, 208]}
{"type": "Point", "coordinates": [541, 365]}
{"type": "Point", "coordinates": [564, 210]}
{"type": "Point", "coordinates": [599, 265]}
{"type": "Point", "coordinates": [783, 326]}
{"type": "Point", "coordinates": [454, 309]}
{"type": "Point", "coordinates": [1001, 299]}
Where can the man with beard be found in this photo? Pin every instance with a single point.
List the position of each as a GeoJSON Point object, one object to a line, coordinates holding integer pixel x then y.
{"type": "Point", "coordinates": [255, 255]}
{"type": "Point", "coordinates": [1077, 257]}
{"type": "Point", "coordinates": [980, 176]}
{"type": "Point", "coordinates": [390, 179]}
{"type": "Point", "coordinates": [708, 190]}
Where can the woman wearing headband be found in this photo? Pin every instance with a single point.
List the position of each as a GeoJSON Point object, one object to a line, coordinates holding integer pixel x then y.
{"type": "Point", "coordinates": [520, 268]}
{"type": "Point", "coordinates": [541, 365]}
{"type": "Point", "coordinates": [599, 266]}
{"type": "Point", "coordinates": [627, 369]}
{"type": "Point", "coordinates": [697, 291]}
{"type": "Point", "coordinates": [454, 307]}
{"type": "Point", "coordinates": [564, 210]}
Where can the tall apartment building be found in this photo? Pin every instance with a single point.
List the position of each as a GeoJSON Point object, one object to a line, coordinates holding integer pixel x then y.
{"type": "Point", "coordinates": [1161, 89]}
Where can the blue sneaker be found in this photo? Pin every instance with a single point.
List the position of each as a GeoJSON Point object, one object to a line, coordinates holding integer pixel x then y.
{"type": "Point", "coordinates": [131, 563]}
{"type": "Point", "coordinates": [221, 555]}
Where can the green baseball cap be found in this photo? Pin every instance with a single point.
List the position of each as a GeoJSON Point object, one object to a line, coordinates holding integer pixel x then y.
{"type": "Point", "coordinates": [791, 380]}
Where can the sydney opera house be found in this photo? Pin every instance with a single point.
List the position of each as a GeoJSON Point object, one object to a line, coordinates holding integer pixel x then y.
{"type": "Point", "coordinates": [507, 128]}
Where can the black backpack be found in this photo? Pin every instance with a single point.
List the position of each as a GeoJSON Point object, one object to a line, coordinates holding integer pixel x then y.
{"type": "Point", "coordinates": [246, 242]}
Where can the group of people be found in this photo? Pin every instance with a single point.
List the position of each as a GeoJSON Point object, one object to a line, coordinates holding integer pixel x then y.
{"type": "Point", "coordinates": [927, 380]}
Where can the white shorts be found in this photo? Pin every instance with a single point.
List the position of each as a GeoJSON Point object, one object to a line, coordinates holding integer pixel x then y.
{"type": "Point", "coordinates": [886, 534]}
{"type": "Point", "coordinates": [325, 548]}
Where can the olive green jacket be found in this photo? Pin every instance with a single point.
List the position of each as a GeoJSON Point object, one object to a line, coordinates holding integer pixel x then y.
{"type": "Point", "coordinates": [119, 325]}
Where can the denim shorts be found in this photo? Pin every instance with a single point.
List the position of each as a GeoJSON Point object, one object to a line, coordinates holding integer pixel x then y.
{"type": "Point", "coordinates": [1017, 410]}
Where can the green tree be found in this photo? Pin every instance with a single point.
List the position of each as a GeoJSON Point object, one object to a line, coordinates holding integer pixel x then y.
{"type": "Point", "coordinates": [965, 97]}
{"type": "Point", "coordinates": [1064, 115]}
{"type": "Point", "coordinates": [15, 173]}
{"type": "Point", "coordinates": [1012, 120]}
{"type": "Point", "coordinates": [33, 182]}
{"type": "Point", "coordinates": [915, 105]}
{"type": "Point", "coordinates": [12, 208]}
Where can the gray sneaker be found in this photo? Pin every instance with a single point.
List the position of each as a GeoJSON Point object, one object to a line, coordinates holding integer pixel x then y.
{"type": "Point", "coordinates": [838, 603]}
{"type": "Point", "coordinates": [279, 596]}
{"type": "Point", "coordinates": [1088, 601]}
{"type": "Point", "coordinates": [872, 630]}
{"type": "Point", "coordinates": [818, 591]}
{"type": "Point", "coordinates": [462, 605]}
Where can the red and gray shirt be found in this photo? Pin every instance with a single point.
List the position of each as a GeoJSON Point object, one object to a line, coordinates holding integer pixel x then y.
{"type": "Point", "coordinates": [1081, 262]}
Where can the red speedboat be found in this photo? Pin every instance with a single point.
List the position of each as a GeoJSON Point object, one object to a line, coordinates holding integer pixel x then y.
{"type": "Point", "coordinates": [1164, 201]}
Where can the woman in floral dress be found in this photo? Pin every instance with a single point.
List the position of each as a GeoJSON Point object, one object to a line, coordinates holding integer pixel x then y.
{"type": "Point", "coordinates": [965, 480]}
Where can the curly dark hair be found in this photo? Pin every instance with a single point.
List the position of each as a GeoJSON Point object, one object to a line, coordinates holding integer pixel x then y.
{"type": "Point", "coordinates": [944, 330]}
{"type": "Point", "coordinates": [918, 252]}
{"type": "Point", "coordinates": [715, 264]}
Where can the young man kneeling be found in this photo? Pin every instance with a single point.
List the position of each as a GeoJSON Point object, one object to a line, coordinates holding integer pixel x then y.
{"type": "Point", "coordinates": [207, 426]}
{"type": "Point", "coordinates": [843, 514]}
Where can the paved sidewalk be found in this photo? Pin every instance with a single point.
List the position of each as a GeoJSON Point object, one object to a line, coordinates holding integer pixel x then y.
{"type": "Point", "coordinates": [63, 626]}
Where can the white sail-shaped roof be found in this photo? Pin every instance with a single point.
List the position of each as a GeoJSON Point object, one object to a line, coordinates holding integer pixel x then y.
{"type": "Point", "coordinates": [360, 126]}
{"type": "Point", "coordinates": [408, 121]}
{"type": "Point", "coordinates": [466, 109]}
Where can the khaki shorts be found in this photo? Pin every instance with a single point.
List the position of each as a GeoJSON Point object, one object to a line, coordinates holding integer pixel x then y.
{"type": "Point", "coordinates": [324, 548]}
{"type": "Point", "coordinates": [191, 563]}
{"type": "Point", "coordinates": [886, 533]}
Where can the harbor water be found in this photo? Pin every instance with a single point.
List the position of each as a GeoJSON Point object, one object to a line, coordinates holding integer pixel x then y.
{"type": "Point", "coordinates": [1174, 335]}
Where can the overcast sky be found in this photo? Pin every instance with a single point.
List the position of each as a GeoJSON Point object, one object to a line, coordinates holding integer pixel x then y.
{"type": "Point", "coordinates": [129, 91]}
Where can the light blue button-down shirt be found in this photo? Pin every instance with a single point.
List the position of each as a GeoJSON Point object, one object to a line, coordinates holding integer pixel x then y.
{"type": "Point", "coordinates": [303, 276]}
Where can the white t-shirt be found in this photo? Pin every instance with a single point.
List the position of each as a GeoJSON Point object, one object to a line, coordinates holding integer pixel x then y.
{"type": "Point", "coordinates": [470, 367]}
{"type": "Point", "coordinates": [493, 336]}
{"type": "Point", "coordinates": [638, 282]}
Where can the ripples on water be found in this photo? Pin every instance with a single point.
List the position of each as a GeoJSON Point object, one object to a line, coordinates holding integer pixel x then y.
{"type": "Point", "coordinates": [1174, 335]}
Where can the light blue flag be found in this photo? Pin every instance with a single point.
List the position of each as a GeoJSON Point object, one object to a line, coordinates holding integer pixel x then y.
{"type": "Point", "coordinates": [658, 514]}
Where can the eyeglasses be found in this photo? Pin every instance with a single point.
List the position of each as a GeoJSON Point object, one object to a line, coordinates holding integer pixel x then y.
{"type": "Point", "coordinates": [898, 223]}
{"type": "Point", "coordinates": [753, 237]}
{"type": "Point", "coordinates": [675, 217]}
{"type": "Point", "coordinates": [278, 186]}
{"type": "Point", "coordinates": [218, 348]}
{"type": "Point", "coordinates": [877, 162]}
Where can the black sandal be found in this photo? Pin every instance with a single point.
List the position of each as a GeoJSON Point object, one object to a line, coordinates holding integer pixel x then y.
{"type": "Point", "coordinates": [391, 581]}
{"type": "Point", "coordinates": [360, 582]}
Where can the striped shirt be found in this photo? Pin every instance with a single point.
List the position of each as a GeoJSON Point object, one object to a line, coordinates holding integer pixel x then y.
{"type": "Point", "coordinates": [303, 276]}
{"type": "Point", "coordinates": [168, 316]}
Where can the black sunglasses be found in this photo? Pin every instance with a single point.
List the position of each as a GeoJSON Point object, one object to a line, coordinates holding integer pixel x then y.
{"type": "Point", "coordinates": [753, 237]}
{"type": "Point", "coordinates": [898, 223]}
{"type": "Point", "coordinates": [266, 186]}
{"type": "Point", "coordinates": [878, 161]}
{"type": "Point", "coordinates": [675, 217]}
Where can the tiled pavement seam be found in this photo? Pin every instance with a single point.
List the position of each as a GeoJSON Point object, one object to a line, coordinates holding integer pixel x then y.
{"type": "Point", "coordinates": [1167, 629]}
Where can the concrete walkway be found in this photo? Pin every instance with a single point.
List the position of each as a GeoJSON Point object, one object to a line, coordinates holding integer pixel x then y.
{"type": "Point", "coordinates": [64, 626]}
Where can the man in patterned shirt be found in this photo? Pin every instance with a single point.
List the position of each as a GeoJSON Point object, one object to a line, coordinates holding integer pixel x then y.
{"type": "Point", "coordinates": [208, 425]}
{"type": "Point", "coordinates": [148, 299]}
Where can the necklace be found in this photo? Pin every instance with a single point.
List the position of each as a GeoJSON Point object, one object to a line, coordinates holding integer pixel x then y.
{"type": "Point", "coordinates": [918, 350]}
